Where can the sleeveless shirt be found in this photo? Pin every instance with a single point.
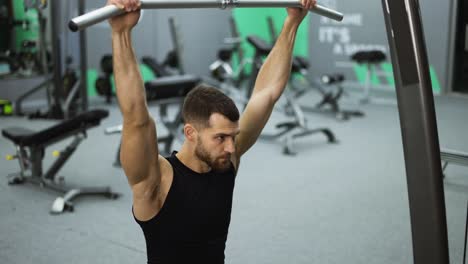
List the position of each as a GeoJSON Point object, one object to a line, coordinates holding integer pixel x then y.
{"type": "Point", "coordinates": [192, 225]}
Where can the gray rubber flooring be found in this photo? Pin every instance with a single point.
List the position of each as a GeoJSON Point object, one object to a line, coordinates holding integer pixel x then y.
{"type": "Point", "coordinates": [339, 203]}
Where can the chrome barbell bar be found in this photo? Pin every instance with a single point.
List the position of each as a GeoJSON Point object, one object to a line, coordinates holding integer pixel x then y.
{"type": "Point", "coordinates": [104, 13]}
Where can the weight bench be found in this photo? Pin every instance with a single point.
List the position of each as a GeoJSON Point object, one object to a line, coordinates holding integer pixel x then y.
{"type": "Point", "coordinates": [165, 92]}
{"type": "Point", "coordinates": [451, 156]}
{"type": "Point", "coordinates": [30, 151]}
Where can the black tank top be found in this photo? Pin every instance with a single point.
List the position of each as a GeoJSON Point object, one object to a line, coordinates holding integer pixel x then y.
{"type": "Point", "coordinates": [192, 226]}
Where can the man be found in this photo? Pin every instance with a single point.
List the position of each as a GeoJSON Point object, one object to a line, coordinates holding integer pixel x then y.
{"type": "Point", "coordinates": [183, 202]}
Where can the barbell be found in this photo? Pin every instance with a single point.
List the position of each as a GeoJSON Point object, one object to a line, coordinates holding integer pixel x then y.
{"type": "Point", "coordinates": [104, 13]}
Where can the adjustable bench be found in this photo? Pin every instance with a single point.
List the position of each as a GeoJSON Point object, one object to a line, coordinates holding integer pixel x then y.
{"type": "Point", "coordinates": [452, 156]}
{"type": "Point", "coordinates": [30, 150]}
{"type": "Point", "coordinates": [165, 92]}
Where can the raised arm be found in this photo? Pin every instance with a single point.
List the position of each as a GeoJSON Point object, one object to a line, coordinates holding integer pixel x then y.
{"type": "Point", "coordinates": [139, 152]}
{"type": "Point", "coordinates": [271, 81]}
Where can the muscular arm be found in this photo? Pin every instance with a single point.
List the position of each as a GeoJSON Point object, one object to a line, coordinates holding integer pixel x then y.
{"type": "Point", "coordinates": [139, 152]}
{"type": "Point", "coordinates": [270, 84]}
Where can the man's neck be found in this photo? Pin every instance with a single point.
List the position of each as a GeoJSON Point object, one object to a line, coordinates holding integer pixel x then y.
{"type": "Point", "coordinates": [186, 155]}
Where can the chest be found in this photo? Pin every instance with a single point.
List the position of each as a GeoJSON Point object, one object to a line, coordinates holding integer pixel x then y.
{"type": "Point", "coordinates": [199, 207]}
{"type": "Point", "coordinates": [204, 196]}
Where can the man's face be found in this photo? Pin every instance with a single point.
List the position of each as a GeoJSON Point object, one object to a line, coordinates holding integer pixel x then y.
{"type": "Point", "coordinates": [216, 143]}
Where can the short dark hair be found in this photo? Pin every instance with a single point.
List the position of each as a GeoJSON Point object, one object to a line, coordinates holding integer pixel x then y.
{"type": "Point", "coordinates": [203, 101]}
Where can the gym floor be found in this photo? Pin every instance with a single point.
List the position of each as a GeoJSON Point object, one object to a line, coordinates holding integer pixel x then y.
{"type": "Point", "coordinates": [340, 203]}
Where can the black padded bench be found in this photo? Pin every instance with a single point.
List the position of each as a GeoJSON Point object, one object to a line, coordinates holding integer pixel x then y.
{"type": "Point", "coordinates": [370, 59]}
{"type": "Point", "coordinates": [165, 92]}
{"type": "Point", "coordinates": [451, 156]}
{"type": "Point", "coordinates": [30, 150]}
{"type": "Point", "coordinates": [170, 87]}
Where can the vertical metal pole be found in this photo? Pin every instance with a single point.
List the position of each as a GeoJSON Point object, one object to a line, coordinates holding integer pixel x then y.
{"type": "Point", "coordinates": [175, 34]}
{"type": "Point", "coordinates": [419, 131]}
{"type": "Point", "coordinates": [13, 33]}
{"type": "Point", "coordinates": [453, 18]}
{"type": "Point", "coordinates": [83, 61]}
{"type": "Point", "coordinates": [240, 53]}
{"type": "Point", "coordinates": [57, 92]}
{"type": "Point", "coordinates": [271, 28]}
{"type": "Point", "coordinates": [466, 236]}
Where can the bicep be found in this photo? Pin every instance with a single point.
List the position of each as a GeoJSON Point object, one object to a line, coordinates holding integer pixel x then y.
{"type": "Point", "coordinates": [139, 151]}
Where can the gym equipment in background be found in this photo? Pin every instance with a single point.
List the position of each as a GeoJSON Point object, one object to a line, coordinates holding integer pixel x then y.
{"type": "Point", "coordinates": [103, 83]}
{"type": "Point", "coordinates": [371, 59]}
{"type": "Point", "coordinates": [30, 151]}
{"type": "Point", "coordinates": [223, 75]}
{"type": "Point", "coordinates": [21, 39]}
{"type": "Point", "coordinates": [459, 48]}
{"type": "Point", "coordinates": [172, 64]}
{"type": "Point", "coordinates": [466, 236]}
{"type": "Point", "coordinates": [370, 67]}
{"type": "Point", "coordinates": [329, 86]}
{"type": "Point", "coordinates": [66, 89]}
{"type": "Point", "coordinates": [6, 108]}
{"type": "Point", "coordinates": [288, 130]}
{"type": "Point", "coordinates": [419, 131]}
{"type": "Point", "coordinates": [453, 156]}
{"type": "Point", "coordinates": [165, 92]}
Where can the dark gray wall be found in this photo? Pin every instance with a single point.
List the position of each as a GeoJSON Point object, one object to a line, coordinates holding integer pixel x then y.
{"type": "Point", "coordinates": [364, 28]}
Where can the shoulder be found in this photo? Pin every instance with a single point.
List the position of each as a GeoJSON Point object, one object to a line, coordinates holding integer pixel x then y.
{"type": "Point", "coordinates": [164, 163]}
{"type": "Point", "coordinates": [149, 196]}
{"type": "Point", "coordinates": [166, 171]}
{"type": "Point", "coordinates": [235, 161]}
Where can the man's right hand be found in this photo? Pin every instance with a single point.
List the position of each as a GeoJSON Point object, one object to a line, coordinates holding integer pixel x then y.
{"type": "Point", "coordinates": [126, 21]}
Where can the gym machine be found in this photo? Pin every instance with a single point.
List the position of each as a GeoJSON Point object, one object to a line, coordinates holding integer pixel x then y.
{"type": "Point", "coordinates": [66, 92]}
{"type": "Point", "coordinates": [21, 59]}
{"type": "Point", "coordinates": [419, 131]}
{"type": "Point", "coordinates": [171, 66]}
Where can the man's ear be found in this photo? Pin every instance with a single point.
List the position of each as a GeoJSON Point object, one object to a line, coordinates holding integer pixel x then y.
{"type": "Point", "coordinates": [190, 132]}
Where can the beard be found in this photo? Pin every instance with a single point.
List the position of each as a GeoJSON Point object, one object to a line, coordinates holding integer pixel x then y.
{"type": "Point", "coordinates": [218, 164]}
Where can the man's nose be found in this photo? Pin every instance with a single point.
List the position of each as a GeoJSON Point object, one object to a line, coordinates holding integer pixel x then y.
{"type": "Point", "coordinates": [230, 146]}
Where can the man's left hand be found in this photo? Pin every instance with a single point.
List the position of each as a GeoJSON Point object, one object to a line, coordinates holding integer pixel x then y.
{"type": "Point", "coordinates": [296, 14]}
